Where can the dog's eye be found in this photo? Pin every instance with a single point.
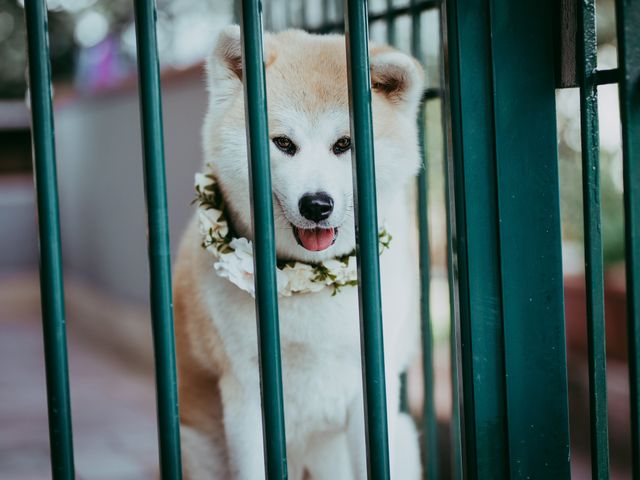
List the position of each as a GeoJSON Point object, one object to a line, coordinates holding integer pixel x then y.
{"type": "Point", "coordinates": [285, 144]}
{"type": "Point", "coordinates": [342, 145]}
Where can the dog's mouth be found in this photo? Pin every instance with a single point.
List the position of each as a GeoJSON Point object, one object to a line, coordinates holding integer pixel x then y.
{"type": "Point", "coordinates": [315, 239]}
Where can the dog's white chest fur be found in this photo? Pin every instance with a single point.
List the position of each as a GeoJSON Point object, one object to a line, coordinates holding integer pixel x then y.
{"type": "Point", "coordinates": [320, 349]}
{"type": "Point", "coordinates": [320, 352]}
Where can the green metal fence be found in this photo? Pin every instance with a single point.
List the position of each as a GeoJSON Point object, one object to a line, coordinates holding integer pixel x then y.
{"type": "Point", "coordinates": [510, 409]}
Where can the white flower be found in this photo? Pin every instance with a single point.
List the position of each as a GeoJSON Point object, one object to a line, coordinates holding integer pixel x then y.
{"type": "Point", "coordinates": [300, 279]}
{"type": "Point", "coordinates": [282, 280]}
{"type": "Point", "coordinates": [202, 181]}
{"type": "Point", "coordinates": [243, 245]}
{"type": "Point", "coordinates": [343, 273]}
{"type": "Point", "coordinates": [237, 265]}
{"type": "Point", "coordinates": [351, 271]}
{"type": "Point", "coordinates": [212, 223]}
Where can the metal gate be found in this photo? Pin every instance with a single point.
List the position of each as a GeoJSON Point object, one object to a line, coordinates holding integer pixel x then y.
{"type": "Point", "coordinates": [509, 361]}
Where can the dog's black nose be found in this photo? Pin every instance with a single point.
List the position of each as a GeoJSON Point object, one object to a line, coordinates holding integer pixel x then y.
{"type": "Point", "coordinates": [316, 206]}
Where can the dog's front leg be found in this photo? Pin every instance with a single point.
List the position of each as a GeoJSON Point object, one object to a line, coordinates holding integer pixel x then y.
{"type": "Point", "coordinates": [243, 427]}
{"type": "Point", "coordinates": [327, 457]}
{"type": "Point", "coordinates": [393, 410]}
{"type": "Point", "coordinates": [404, 451]}
{"type": "Point", "coordinates": [355, 429]}
{"type": "Point", "coordinates": [356, 440]}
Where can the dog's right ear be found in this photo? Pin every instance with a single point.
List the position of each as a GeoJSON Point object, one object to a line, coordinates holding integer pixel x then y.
{"type": "Point", "coordinates": [224, 65]}
{"type": "Point", "coordinates": [225, 62]}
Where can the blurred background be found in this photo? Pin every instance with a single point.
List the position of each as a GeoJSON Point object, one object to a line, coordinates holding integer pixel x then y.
{"type": "Point", "coordinates": [93, 57]}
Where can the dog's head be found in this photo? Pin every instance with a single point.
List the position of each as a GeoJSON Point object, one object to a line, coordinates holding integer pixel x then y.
{"type": "Point", "coordinates": [308, 110]}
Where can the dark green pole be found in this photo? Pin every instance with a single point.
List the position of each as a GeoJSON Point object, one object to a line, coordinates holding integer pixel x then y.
{"type": "Point", "coordinates": [391, 23]}
{"type": "Point", "coordinates": [51, 282]}
{"type": "Point", "coordinates": [474, 244]}
{"type": "Point", "coordinates": [507, 238]}
{"type": "Point", "coordinates": [455, 428]}
{"type": "Point", "coordinates": [264, 241]}
{"type": "Point", "coordinates": [430, 420]}
{"type": "Point", "coordinates": [158, 238]}
{"type": "Point", "coordinates": [325, 12]}
{"type": "Point", "coordinates": [526, 155]}
{"type": "Point", "coordinates": [375, 404]}
{"type": "Point", "coordinates": [628, 17]}
{"type": "Point", "coordinates": [587, 64]}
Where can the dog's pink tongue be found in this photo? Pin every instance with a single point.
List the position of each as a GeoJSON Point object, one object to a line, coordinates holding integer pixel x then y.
{"type": "Point", "coordinates": [316, 239]}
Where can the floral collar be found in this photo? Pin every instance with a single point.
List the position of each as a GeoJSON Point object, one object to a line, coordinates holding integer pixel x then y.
{"type": "Point", "coordinates": [234, 255]}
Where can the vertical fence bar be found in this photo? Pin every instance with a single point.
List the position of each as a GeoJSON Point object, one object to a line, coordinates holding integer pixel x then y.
{"type": "Point", "coordinates": [158, 241]}
{"type": "Point", "coordinates": [303, 14]}
{"type": "Point", "coordinates": [51, 281]}
{"type": "Point", "coordinates": [357, 39]}
{"type": "Point", "coordinates": [455, 429]}
{"type": "Point", "coordinates": [391, 24]}
{"type": "Point", "coordinates": [526, 153]}
{"type": "Point", "coordinates": [430, 420]}
{"type": "Point", "coordinates": [264, 241]}
{"type": "Point", "coordinates": [288, 14]}
{"type": "Point", "coordinates": [339, 7]}
{"type": "Point", "coordinates": [587, 64]}
{"type": "Point", "coordinates": [236, 12]}
{"type": "Point", "coordinates": [474, 236]}
{"type": "Point", "coordinates": [628, 18]}
{"type": "Point", "coordinates": [325, 12]}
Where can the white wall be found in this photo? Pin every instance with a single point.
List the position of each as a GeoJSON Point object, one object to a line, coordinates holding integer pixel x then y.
{"type": "Point", "coordinates": [18, 237]}
{"type": "Point", "coordinates": [101, 183]}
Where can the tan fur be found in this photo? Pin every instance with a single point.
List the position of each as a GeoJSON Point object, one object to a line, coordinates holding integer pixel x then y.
{"type": "Point", "coordinates": [201, 356]}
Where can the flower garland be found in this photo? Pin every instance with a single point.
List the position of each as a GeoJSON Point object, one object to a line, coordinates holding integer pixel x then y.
{"type": "Point", "coordinates": [234, 256]}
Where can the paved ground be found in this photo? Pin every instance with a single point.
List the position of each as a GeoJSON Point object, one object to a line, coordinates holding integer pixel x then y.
{"type": "Point", "coordinates": [113, 409]}
{"type": "Point", "coordinates": [114, 406]}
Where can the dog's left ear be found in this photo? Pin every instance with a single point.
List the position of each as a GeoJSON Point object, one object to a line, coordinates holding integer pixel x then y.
{"type": "Point", "coordinates": [397, 76]}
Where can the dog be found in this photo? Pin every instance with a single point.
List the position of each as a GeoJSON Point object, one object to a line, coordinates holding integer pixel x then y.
{"type": "Point", "coordinates": [313, 203]}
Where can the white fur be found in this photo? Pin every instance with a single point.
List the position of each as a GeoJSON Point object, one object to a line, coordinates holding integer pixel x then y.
{"type": "Point", "coordinates": [320, 333]}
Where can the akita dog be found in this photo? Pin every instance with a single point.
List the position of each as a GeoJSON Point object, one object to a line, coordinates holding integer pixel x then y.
{"type": "Point", "coordinates": [309, 128]}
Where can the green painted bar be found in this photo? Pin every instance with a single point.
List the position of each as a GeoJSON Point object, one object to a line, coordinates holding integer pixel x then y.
{"type": "Point", "coordinates": [605, 77]}
{"type": "Point", "coordinates": [455, 425]}
{"type": "Point", "coordinates": [430, 421]}
{"type": "Point", "coordinates": [530, 238]}
{"type": "Point", "coordinates": [236, 13]}
{"type": "Point", "coordinates": [404, 399]}
{"type": "Point", "coordinates": [395, 13]}
{"type": "Point", "coordinates": [325, 13]}
{"type": "Point", "coordinates": [587, 65]}
{"type": "Point", "coordinates": [339, 7]}
{"type": "Point", "coordinates": [628, 18]}
{"type": "Point", "coordinates": [288, 13]}
{"type": "Point", "coordinates": [455, 428]}
{"type": "Point", "coordinates": [303, 14]}
{"type": "Point", "coordinates": [51, 281]}
{"type": "Point", "coordinates": [475, 238]}
{"type": "Point", "coordinates": [264, 241]}
{"type": "Point", "coordinates": [375, 404]}
{"type": "Point", "coordinates": [158, 240]}
{"type": "Point", "coordinates": [391, 23]}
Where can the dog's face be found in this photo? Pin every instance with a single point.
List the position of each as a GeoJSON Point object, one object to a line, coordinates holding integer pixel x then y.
{"type": "Point", "coordinates": [310, 141]}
